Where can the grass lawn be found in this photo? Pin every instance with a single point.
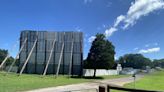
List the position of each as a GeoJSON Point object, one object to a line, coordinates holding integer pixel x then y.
{"type": "Point", "coordinates": [13, 83]}
{"type": "Point", "coordinates": [154, 81]}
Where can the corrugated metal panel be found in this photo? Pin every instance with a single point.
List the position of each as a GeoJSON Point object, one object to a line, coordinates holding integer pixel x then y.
{"type": "Point", "coordinates": [77, 36]}
{"type": "Point", "coordinates": [40, 58]}
{"type": "Point", "coordinates": [23, 35]}
{"type": "Point", "coordinates": [41, 46]}
{"type": "Point", "coordinates": [32, 58]}
{"type": "Point", "coordinates": [31, 63]}
{"type": "Point", "coordinates": [42, 35]}
{"type": "Point", "coordinates": [52, 58]}
{"type": "Point", "coordinates": [66, 69]}
{"type": "Point", "coordinates": [57, 56]}
{"type": "Point", "coordinates": [20, 67]}
{"type": "Point", "coordinates": [22, 57]}
{"type": "Point", "coordinates": [81, 43]}
{"type": "Point", "coordinates": [40, 68]}
{"type": "Point", "coordinates": [49, 45]}
{"type": "Point", "coordinates": [76, 59]}
{"type": "Point", "coordinates": [67, 57]}
{"type": "Point", "coordinates": [30, 45]}
{"type": "Point", "coordinates": [67, 47]}
{"type": "Point", "coordinates": [68, 37]}
{"type": "Point", "coordinates": [60, 36]}
{"type": "Point", "coordinates": [30, 68]}
{"type": "Point", "coordinates": [77, 47]}
{"type": "Point", "coordinates": [32, 36]}
{"type": "Point", "coordinates": [51, 35]}
{"type": "Point", "coordinates": [44, 46]}
{"type": "Point", "coordinates": [50, 69]}
{"type": "Point", "coordinates": [76, 69]}
{"type": "Point", "coordinates": [58, 47]}
{"type": "Point", "coordinates": [25, 45]}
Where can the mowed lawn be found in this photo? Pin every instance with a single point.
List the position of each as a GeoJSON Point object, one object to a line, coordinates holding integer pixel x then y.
{"type": "Point", "coordinates": [154, 81]}
{"type": "Point", "coordinates": [13, 82]}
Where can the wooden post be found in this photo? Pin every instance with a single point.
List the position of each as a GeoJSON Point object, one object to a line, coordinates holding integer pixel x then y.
{"type": "Point", "coordinates": [102, 89]}
{"type": "Point", "coordinates": [61, 54]}
{"type": "Point", "coordinates": [108, 88]}
{"type": "Point", "coordinates": [45, 70]}
{"type": "Point", "coordinates": [17, 56]}
{"type": "Point", "coordinates": [4, 60]}
{"type": "Point", "coordinates": [70, 64]}
{"type": "Point", "coordinates": [28, 57]}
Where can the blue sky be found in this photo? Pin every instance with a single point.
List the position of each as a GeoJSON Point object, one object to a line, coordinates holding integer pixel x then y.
{"type": "Point", "coordinates": [133, 26]}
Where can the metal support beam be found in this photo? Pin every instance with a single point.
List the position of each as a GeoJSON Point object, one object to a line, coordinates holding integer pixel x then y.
{"type": "Point", "coordinates": [4, 60]}
{"type": "Point", "coordinates": [70, 63]}
{"type": "Point", "coordinates": [28, 57]}
{"type": "Point", "coordinates": [17, 56]}
{"type": "Point", "coordinates": [45, 70]}
{"type": "Point", "coordinates": [61, 55]}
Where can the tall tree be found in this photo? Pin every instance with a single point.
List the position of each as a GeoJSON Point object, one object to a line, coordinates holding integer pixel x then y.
{"type": "Point", "coordinates": [101, 55]}
{"type": "Point", "coordinates": [137, 61]}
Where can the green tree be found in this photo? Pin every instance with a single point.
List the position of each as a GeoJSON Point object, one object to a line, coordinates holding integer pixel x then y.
{"type": "Point", "coordinates": [158, 63]}
{"type": "Point", "coordinates": [3, 54]}
{"type": "Point", "coordinates": [137, 61]}
{"type": "Point", "coordinates": [101, 55]}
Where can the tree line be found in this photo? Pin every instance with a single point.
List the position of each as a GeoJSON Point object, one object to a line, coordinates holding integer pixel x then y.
{"type": "Point", "coordinates": [138, 61]}
{"type": "Point", "coordinates": [101, 56]}
{"type": "Point", "coordinates": [3, 54]}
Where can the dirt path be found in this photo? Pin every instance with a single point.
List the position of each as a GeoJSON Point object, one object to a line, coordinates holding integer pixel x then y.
{"type": "Point", "coordinates": [92, 85]}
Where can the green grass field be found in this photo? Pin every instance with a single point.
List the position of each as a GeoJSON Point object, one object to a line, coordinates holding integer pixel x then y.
{"type": "Point", "coordinates": [154, 81]}
{"type": "Point", "coordinates": [13, 83]}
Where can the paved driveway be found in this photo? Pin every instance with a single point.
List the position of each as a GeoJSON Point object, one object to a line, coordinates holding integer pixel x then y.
{"type": "Point", "coordinates": [89, 85]}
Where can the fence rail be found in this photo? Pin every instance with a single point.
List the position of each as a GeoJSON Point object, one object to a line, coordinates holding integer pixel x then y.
{"type": "Point", "coordinates": [109, 88]}
{"type": "Point", "coordinates": [84, 90]}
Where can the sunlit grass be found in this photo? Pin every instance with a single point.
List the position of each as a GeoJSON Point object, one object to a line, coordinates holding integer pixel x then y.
{"type": "Point", "coordinates": [13, 82]}
{"type": "Point", "coordinates": [154, 81]}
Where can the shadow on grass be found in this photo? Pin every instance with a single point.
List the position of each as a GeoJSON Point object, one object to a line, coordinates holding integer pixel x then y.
{"type": "Point", "coordinates": [87, 77]}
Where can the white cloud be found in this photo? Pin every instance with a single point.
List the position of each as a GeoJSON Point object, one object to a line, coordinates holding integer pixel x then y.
{"type": "Point", "coordinates": [141, 8]}
{"type": "Point", "coordinates": [118, 20]}
{"type": "Point", "coordinates": [150, 50]}
{"type": "Point", "coordinates": [138, 9]}
{"type": "Point", "coordinates": [152, 44]}
{"type": "Point", "coordinates": [90, 39]}
{"type": "Point", "coordinates": [109, 32]}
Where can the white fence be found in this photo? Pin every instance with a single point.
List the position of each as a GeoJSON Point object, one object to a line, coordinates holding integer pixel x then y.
{"type": "Point", "coordinates": [90, 72]}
